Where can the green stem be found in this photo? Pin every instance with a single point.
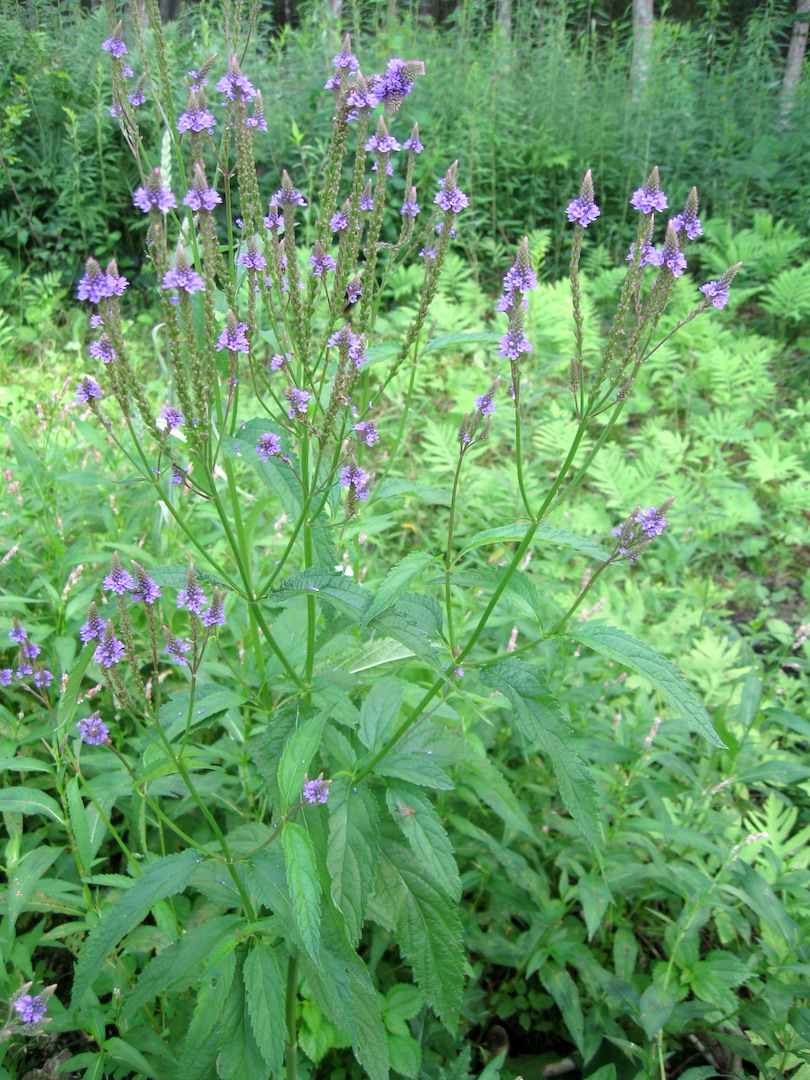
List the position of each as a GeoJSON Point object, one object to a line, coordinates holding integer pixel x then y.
{"type": "Point", "coordinates": [291, 1009]}
{"type": "Point", "coordinates": [448, 558]}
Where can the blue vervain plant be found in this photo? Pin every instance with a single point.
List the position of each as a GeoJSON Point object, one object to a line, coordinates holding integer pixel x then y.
{"type": "Point", "coordinates": [310, 820]}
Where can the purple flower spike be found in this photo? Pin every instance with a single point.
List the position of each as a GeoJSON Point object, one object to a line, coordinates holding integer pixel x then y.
{"type": "Point", "coordinates": [688, 222]}
{"type": "Point", "coordinates": [412, 143]}
{"type": "Point", "coordinates": [200, 196]}
{"type": "Point", "coordinates": [339, 221]}
{"type": "Point", "coordinates": [233, 337]}
{"type": "Point", "coordinates": [513, 343]}
{"type": "Point", "coordinates": [186, 279]}
{"type": "Point", "coordinates": [110, 651]}
{"type": "Point", "coordinates": [103, 350]}
{"type": "Point", "coordinates": [449, 197]}
{"type": "Point", "coordinates": [367, 432]}
{"type": "Point", "coordinates": [93, 730]}
{"type": "Point", "coordinates": [356, 480]}
{"type": "Point", "coordinates": [268, 445]}
{"type": "Point", "coordinates": [650, 199]}
{"type": "Point", "coordinates": [320, 262]}
{"type": "Point", "coordinates": [192, 597]}
{"type": "Point", "coordinates": [397, 82]}
{"type": "Point", "coordinates": [87, 391]}
{"type": "Point", "coordinates": [354, 290]}
{"type": "Point", "coordinates": [345, 60]}
{"type": "Point", "coordinates": [715, 292]}
{"type": "Point", "coordinates": [172, 418]}
{"type": "Point", "coordinates": [196, 117]}
{"type": "Point", "coordinates": [215, 615]}
{"type": "Point", "coordinates": [43, 678]}
{"type": "Point", "coordinates": [298, 399]}
{"type": "Point", "coordinates": [234, 85]}
{"type": "Point", "coordinates": [118, 580]}
{"type": "Point", "coordinates": [521, 278]}
{"type": "Point", "coordinates": [287, 194]}
{"type": "Point", "coordinates": [584, 210]}
{"type": "Point", "coordinates": [257, 121]}
{"type": "Point", "coordinates": [145, 589]}
{"type": "Point", "coordinates": [17, 633]}
{"type": "Point", "coordinates": [315, 791]}
{"type": "Point", "coordinates": [410, 208]}
{"type": "Point", "coordinates": [176, 648]}
{"type": "Point", "coordinates": [485, 405]}
{"type": "Point", "coordinates": [154, 196]}
{"type": "Point", "coordinates": [114, 45]}
{"type": "Point", "coordinates": [93, 629]}
{"type": "Point", "coordinates": [367, 197]}
{"type": "Point", "coordinates": [673, 259]}
{"type": "Point", "coordinates": [32, 1009]}
{"type": "Point", "coordinates": [6, 675]}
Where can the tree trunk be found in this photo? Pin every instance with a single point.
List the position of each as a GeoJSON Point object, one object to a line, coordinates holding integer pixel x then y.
{"type": "Point", "coordinates": [642, 44]}
{"type": "Point", "coordinates": [795, 56]}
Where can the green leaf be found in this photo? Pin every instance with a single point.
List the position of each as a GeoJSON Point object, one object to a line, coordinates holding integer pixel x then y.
{"type": "Point", "coordinates": [120, 1050]}
{"type": "Point", "coordinates": [79, 825]}
{"type": "Point", "coordinates": [566, 996]}
{"type": "Point", "coordinates": [513, 534]}
{"type": "Point", "coordinates": [68, 701]}
{"type": "Point", "coordinates": [178, 966]}
{"type": "Point", "coordinates": [18, 800]}
{"type": "Point", "coordinates": [520, 586]}
{"type": "Point", "coordinates": [25, 877]}
{"type": "Point", "coordinates": [209, 700]}
{"type": "Point", "coordinates": [304, 884]}
{"type": "Point", "coordinates": [425, 833]}
{"type": "Point", "coordinates": [397, 581]}
{"type": "Point", "coordinates": [595, 898]}
{"type": "Point", "coordinates": [351, 856]}
{"type": "Point", "coordinates": [414, 767]}
{"type": "Point", "coordinates": [759, 896]}
{"type": "Point", "coordinates": [395, 488]}
{"type": "Point", "coordinates": [163, 878]}
{"type": "Point", "coordinates": [667, 680]}
{"type": "Point", "coordinates": [203, 1038]}
{"type": "Point", "coordinates": [379, 712]}
{"type": "Point", "coordinates": [465, 337]}
{"type": "Point", "coordinates": [657, 1005]}
{"type": "Point", "coordinates": [720, 972]}
{"type": "Point", "coordinates": [482, 776]}
{"type": "Point", "coordinates": [296, 759]}
{"type": "Point", "coordinates": [427, 929]}
{"type": "Point", "coordinates": [539, 718]}
{"type": "Point", "coordinates": [264, 988]}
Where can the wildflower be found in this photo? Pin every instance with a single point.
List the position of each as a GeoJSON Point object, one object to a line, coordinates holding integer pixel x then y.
{"type": "Point", "coordinates": [412, 143]}
{"type": "Point", "coordinates": [381, 142]}
{"type": "Point", "coordinates": [118, 580]}
{"type": "Point", "coordinates": [252, 258]}
{"type": "Point", "coordinates": [6, 676]}
{"type": "Point", "coordinates": [114, 45]}
{"type": "Point", "coordinates": [30, 650]}
{"type": "Point", "coordinates": [17, 633]}
{"type": "Point", "coordinates": [410, 208]}
{"type": "Point", "coordinates": [320, 262]}
{"type": "Point", "coordinates": [521, 277]}
{"type": "Point", "coordinates": [298, 399]}
{"type": "Point", "coordinates": [111, 650]}
{"type": "Point", "coordinates": [650, 198]}
{"type": "Point", "coordinates": [257, 121]}
{"type": "Point", "coordinates": [277, 360]}
{"type": "Point", "coordinates": [688, 221]}
{"type": "Point", "coordinates": [192, 597]}
{"type": "Point", "coordinates": [268, 445]}
{"type": "Point", "coordinates": [716, 293]}
{"type": "Point", "coordinates": [356, 480]}
{"type": "Point", "coordinates": [339, 221]}
{"type": "Point", "coordinates": [652, 521]}
{"type": "Point", "coordinates": [449, 197]}
{"type": "Point", "coordinates": [176, 648]}
{"type": "Point", "coordinates": [32, 1009]}
{"type": "Point", "coordinates": [485, 405]}
{"type": "Point", "coordinates": [427, 253]}
{"type": "Point", "coordinates": [196, 117]}
{"type": "Point", "coordinates": [145, 589]}
{"type": "Point", "coordinates": [397, 82]}
{"type": "Point", "coordinates": [137, 98]}
{"type": "Point", "coordinates": [363, 95]}
{"type": "Point", "coordinates": [287, 194]}
{"type": "Point", "coordinates": [354, 290]}
{"type": "Point", "coordinates": [24, 670]}
{"type": "Point", "coordinates": [584, 210]}
{"type": "Point", "coordinates": [98, 284]}
{"type": "Point", "coordinates": [672, 257]}
{"type": "Point", "coordinates": [233, 336]}
{"type": "Point", "coordinates": [183, 278]}
{"type": "Point", "coordinates": [171, 418]}
{"type": "Point", "coordinates": [234, 85]}
{"type": "Point", "coordinates": [345, 59]}
{"type": "Point", "coordinates": [367, 197]}
{"type": "Point", "coordinates": [96, 321]}
{"type": "Point", "coordinates": [154, 196]}
{"type": "Point", "coordinates": [513, 343]}
{"type": "Point", "coordinates": [200, 196]}
{"type": "Point", "coordinates": [215, 615]}
{"type": "Point", "coordinates": [274, 219]}
{"type": "Point", "coordinates": [632, 540]}
{"type": "Point", "coordinates": [367, 432]}
{"type": "Point", "coordinates": [103, 350]}
{"type": "Point", "coordinates": [650, 255]}
{"type": "Point", "coordinates": [93, 629]}
{"type": "Point", "coordinates": [87, 390]}
{"type": "Point", "coordinates": [315, 791]}
{"type": "Point", "coordinates": [43, 678]}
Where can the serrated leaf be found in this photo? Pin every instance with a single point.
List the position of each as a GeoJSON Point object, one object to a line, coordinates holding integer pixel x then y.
{"type": "Point", "coordinates": [422, 827]}
{"type": "Point", "coordinates": [19, 800]}
{"type": "Point", "coordinates": [566, 997]}
{"type": "Point", "coordinates": [209, 700]}
{"type": "Point", "coordinates": [483, 777]}
{"type": "Point", "coordinates": [79, 825]}
{"type": "Point", "coordinates": [264, 989]}
{"type": "Point", "coordinates": [203, 1038]}
{"type": "Point", "coordinates": [120, 1050]}
{"type": "Point", "coordinates": [379, 712]}
{"type": "Point", "coordinates": [25, 877]}
{"type": "Point", "coordinates": [239, 1055]}
{"type": "Point", "coordinates": [296, 759]}
{"type": "Point", "coordinates": [664, 676]}
{"type": "Point", "coordinates": [520, 586]}
{"type": "Point", "coordinates": [595, 898]}
{"type": "Point", "coordinates": [68, 700]}
{"type": "Point", "coordinates": [351, 857]}
{"type": "Point", "coordinates": [415, 767]}
{"type": "Point", "coordinates": [656, 1007]}
{"type": "Point", "coordinates": [513, 534]}
{"type": "Point", "coordinates": [539, 718]}
{"type": "Point", "coordinates": [163, 878]}
{"type": "Point", "coordinates": [429, 493]}
{"type": "Point", "coordinates": [427, 929]}
{"type": "Point", "coordinates": [397, 581]}
{"type": "Point", "coordinates": [304, 884]}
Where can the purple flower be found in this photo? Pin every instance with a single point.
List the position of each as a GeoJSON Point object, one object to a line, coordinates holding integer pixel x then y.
{"type": "Point", "coordinates": [257, 121]}
{"type": "Point", "coordinates": [356, 480]}
{"type": "Point", "coordinates": [87, 390]}
{"type": "Point", "coordinates": [389, 168]}
{"type": "Point", "coordinates": [584, 210]}
{"type": "Point", "coordinates": [672, 258]}
{"type": "Point", "coordinates": [24, 670]}
{"type": "Point", "coordinates": [410, 208]}
{"type": "Point", "coordinates": [234, 85]}
{"type": "Point", "coordinates": [277, 360]}
{"type": "Point", "coordinates": [145, 589]}
{"type": "Point", "coordinates": [115, 283]}
{"type": "Point", "coordinates": [103, 350]}
{"type": "Point", "coordinates": [196, 120]}
{"type": "Point", "coordinates": [93, 730]}
{"type": "Point", "coordinates": [397, 82]}
{"type": "Point", "coordinates": [96, 321]}
{"type": "Point", "coordinates": [215, 615]}
{"type": "Point", "coordinates": [412, 143]}
{"type": "Point", "coordinates": [716, 292]}
{"type": "Point", "coordinates": [485, 405]}
{"type": "Point", "coordinates": [320, 262]}
{"type": "Point", "coordinates": [345, 60]}
{"type": "Point", "coordinates": [252, 258]}
{"type": "Point", "coordinates": [354, 290]}
{"type": "Point", "coordinates": [192, 597]}
{"type": "Point", "coordinates": [200, 196]}
{"type": "Point", "coordinates": [178, 475]}
{"type": "Point", "coordinates": [175, 648]}
{"type": "Point", "coordinates": [520, 277]}
{"type": "Point", "coordinates": [367, 432]}
{"type": "Point", "coordinates": [18, 634]}
{"type": "Point", "coordinates": [367, 198]}
{"type": "Point", "coordinates": [43, 678]}
{"type": "Point", "coordinates": [650, 256]}
{"type": "Point", "coordinates": [298, 399]}
{"type": "Point", "coordinates": [688, 221]}
{"type": "Point", "coordinates": [338, 221]}
{"type": "Point", "coordinates": [198, 78]}
{"type": "Point", "coordinates": [315, 791]}
{"type": "Point", "coordinates": [172, 418]}
{"type": "Point", "coordinates": [233, 336]}
{"type": "Point", "coordinates": [650, 198]}
{"type": "Point", "coordinates": [513, 343]}
{"type": "Point", "coordinates": [137, 98]}
{"type": "Point", "coordinates": [32, 1009]}
{"type": "Point", "coordinates": [268, 445]}
{"type": "Point", "coordinates": [30, 650]}
{"type": "Point", "coordinates": [287, 194]}
{"type": "Point", "coordinates": [652, 521]}
{"type": "Point", "coordinates": [381, 142]}
{"type": "Point", "coordinates": [427, 253]}
{"type": "Point", "coordinates": [115, 46]}
{"type": "Point", "coordinates": [154, 196]}
{"type": "Point", "coordinates": [98, 284]}
{"type": "Point", "coordinates": [449, 197]}
{"type": "Point", "coordinates": [6, 676]}
{"type": "Point", "coordinates": [183, 278]}
{"type": "Point", "coordinates": [93, 629]}
{"type": "Point", "coordinates": [118, 580]}
{"type": "Point", "coordinates": [110, 651]}
{"type": "Point", "coordinates": [274, 218]}
{"type": "Point", "coordinates": [363, 95]}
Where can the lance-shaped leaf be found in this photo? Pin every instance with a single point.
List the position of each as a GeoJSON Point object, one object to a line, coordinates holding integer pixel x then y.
{"type": "Point", "coordinates": [379, 712]}
{"type": "Point", "coordinates": [397, 581]}
{"type": "Point", "coordinates": [664, 676]}
{"type": "Point", "coordinates": [264, 988]}
{"type": "Point", "coordinates": [539, 718]}
{"type": "Point", "coordinates": [163, 878]}
{"type": "Point", "coordinates": [352, 854]}
{"type": "Point", "coordinates": [429, 842]}
{"type": "Point", "coordinates": [304, 884]}
{"type": "Point", "coordinates": [297, 757]}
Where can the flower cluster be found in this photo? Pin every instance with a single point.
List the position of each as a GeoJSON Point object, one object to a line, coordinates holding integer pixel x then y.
{"type": "Point", "coordinates": [584, 210]}
{"type": "Point", "coordinates": [351, 346]}
{"type": "Point", "coordinates": [639, 529]}
{"type": "Point", "coordinates": [315, 791]}
{"type": "Point", "coordinates": [518, 280]}
{"type": "Point", "coordinates": [154, 196]}
{"type": "Point", "coordinates": [98, 284]}
{"type": "Point", "coordinates": [27, 651]}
